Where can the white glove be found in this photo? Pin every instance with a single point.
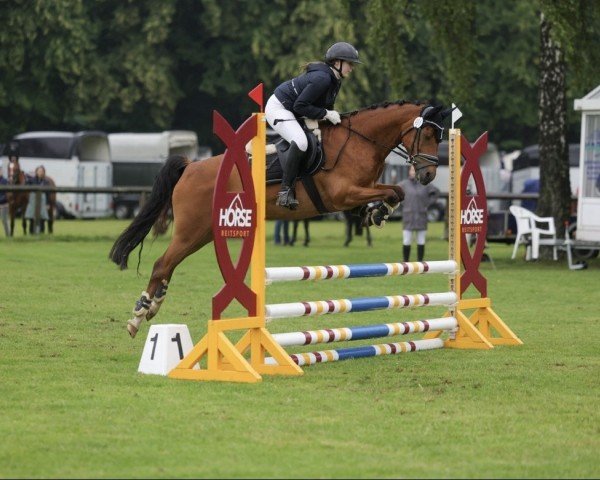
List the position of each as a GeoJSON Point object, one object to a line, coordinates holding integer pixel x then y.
{"type": "Point", "coordinates": [333, 116]}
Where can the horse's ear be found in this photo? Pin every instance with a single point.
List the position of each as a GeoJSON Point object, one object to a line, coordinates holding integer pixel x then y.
{"type": "Point", "coordinates": [447, 112]}
{"type": "Point", "coordinates": [430, 111]}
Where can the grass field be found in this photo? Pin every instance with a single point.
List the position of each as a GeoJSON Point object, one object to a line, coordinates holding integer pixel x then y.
{"type": "Point", "coordinates": [74, 406]}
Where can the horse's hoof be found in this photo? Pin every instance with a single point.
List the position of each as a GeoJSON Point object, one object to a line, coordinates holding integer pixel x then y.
{"type": "Point", "coordinates": [132, 329]}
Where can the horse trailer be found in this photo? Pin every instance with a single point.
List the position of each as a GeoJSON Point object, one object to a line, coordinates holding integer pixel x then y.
{"type": "Point", "coordinates": [137, 158]}
{"type": "Point", "coordinates": [71, 159]}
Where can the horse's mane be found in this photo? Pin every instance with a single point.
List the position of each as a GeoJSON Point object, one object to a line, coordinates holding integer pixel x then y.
{"type": "Point", "coordinates": [384, 104]}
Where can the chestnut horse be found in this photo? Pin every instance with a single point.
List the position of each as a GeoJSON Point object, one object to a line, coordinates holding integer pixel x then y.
{"type": "Point", "coordinates": [17, 201]}
{"type": "Point", "coordinates": [355, 153]}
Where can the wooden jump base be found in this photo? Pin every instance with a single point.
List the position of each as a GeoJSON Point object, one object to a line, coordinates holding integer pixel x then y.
{"type": "Point", "coordinates": [259, 352]}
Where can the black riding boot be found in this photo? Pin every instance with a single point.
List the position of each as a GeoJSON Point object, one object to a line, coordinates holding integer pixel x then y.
{"type": "Point", "coordinates": [420, 252]}
{"type": "Point", "coordinates": [406, 252]}
{"type": "Point", "coordinates": [287, 195]}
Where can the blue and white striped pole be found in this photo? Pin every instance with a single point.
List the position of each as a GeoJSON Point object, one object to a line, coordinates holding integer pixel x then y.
{"type": "Point", "coordinates": [311, 337]}
{"type": "Point", "coordinates": [328, 272]}
{"type": "Point", "coordinates": [322, 307]}
{"type": "Point", "coordinates": [305, 359]}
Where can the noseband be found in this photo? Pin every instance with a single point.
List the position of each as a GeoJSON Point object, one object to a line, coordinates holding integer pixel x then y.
{"type": "Point", "coordinates": [418, 124]}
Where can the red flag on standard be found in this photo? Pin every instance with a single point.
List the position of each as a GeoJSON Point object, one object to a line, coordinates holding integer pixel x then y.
{"type": "Point", "coordinates": [256, 94]}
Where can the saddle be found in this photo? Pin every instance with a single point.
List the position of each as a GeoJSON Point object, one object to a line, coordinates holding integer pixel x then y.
{"type": "Point", "coordinates": [276, 155]}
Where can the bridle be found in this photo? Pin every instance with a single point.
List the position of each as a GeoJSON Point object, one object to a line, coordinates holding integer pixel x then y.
{"type": "Point", "coordinates": [419, 123]}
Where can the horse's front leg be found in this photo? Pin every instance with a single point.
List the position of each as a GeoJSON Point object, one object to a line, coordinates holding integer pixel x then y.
{"type": "Point", "coordinates": [378, 212]}
{"type": "Point", "coordinates": [377, 203]}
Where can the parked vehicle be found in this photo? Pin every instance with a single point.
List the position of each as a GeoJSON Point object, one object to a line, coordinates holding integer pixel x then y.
{"type": "Point", "coordinates": [396, 169]}
{"type": "Point", "coordinates": [527, 167]}
{"type": "Point", "coordinates": [72, 159]}
{"type": "Point", "coordinates": [137, 158]}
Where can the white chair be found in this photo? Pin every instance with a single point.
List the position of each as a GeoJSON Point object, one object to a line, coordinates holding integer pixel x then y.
{"type": "Point", "coordinates": [523, 218]}
{"type": "Point", "coordinates": [530, 231]}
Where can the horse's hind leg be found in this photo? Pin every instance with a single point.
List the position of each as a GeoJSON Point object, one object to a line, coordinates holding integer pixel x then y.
{"type": "Point", "coordinates": [152, 298]}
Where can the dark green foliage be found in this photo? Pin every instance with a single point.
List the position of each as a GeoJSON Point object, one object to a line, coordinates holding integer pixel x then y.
{"type": "Point", "coordinates": [154, 64]}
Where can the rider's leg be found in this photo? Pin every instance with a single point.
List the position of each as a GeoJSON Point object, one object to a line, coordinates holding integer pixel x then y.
{"type": "Point", "coordinates": [285, 124]}
{"type": "Point", "coordinates": [287, 195]}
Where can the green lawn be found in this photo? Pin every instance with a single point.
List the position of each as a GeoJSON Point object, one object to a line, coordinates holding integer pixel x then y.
{"type": "Point", "coordinates": [73, 404]}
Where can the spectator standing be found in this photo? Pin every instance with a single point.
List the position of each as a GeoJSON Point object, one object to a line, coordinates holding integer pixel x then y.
{"type": "Point", "coordinates": [38, 179]}
{"type": "Point", "coordinates": [417, 199]}
{"type": "Point", "coordinates": [4, 205]}
{"type": "Point", "coordinates": [282, 226]}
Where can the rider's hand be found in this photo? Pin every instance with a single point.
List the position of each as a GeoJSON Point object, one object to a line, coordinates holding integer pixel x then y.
{"type": "Point", "coordinates": [332, 116]}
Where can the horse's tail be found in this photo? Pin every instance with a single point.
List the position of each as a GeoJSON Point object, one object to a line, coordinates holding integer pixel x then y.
{"type": "Point", "coordinates": [155, 209]}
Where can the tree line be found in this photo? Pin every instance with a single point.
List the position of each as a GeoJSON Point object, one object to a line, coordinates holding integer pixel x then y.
{"type": "Point", "coordinates": [149, 65]}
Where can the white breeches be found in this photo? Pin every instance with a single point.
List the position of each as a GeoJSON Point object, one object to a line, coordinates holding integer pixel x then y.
{"type": "Point", "coordinates": [407, 236]}
{"type": "Point", "coordinates": [289, 128]}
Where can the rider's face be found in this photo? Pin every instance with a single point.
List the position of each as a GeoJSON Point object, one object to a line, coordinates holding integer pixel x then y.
{"type": "Point", "coordinates": [347, 68]}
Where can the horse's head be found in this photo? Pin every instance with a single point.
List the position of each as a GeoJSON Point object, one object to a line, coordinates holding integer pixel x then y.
{"type": "Point", "coordinates": [14, 171]}
{"type": "Point", "coordinates": [422, 139]}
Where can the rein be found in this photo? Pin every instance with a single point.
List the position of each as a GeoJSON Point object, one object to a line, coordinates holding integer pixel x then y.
{"type": "Point", "coordinates": [398, 151]}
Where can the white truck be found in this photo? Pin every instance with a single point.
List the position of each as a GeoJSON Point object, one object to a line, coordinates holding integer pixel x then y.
{"type": "Point", "coordinates": [72, 159]}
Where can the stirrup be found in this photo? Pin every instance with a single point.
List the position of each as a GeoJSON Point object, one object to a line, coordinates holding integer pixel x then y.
{"type": "Point", "coordinates": [287, 199]}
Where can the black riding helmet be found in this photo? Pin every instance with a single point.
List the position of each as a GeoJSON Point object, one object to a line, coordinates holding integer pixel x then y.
{"type": "Point", "coordinates": [342, 51]}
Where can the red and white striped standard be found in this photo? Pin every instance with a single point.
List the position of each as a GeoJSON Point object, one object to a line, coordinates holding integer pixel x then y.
{"type": "Point", "coordinates": [344, 334]}
{"type": "Point", "coordinates": [329, 272]}
{"type": "Point", "coordinates": [322, 307]}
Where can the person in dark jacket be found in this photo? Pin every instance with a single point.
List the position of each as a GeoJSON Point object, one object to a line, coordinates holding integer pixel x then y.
{"type": "Point", "coordinates": [311, 95]}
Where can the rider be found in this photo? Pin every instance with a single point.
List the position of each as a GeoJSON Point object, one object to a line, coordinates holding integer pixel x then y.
{"type": "Point", "coordinates": [310, 95]}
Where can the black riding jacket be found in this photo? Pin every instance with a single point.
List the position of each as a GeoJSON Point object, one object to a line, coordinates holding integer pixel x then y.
{"type": "Point", "coordinates": [311, 93]}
